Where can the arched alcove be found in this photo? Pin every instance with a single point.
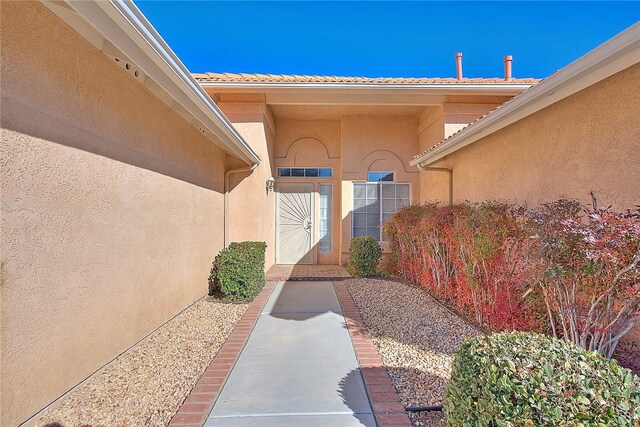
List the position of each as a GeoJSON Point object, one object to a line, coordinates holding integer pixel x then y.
{"type": "Point", "coordinates": [307, 152]}
{"type": "Point", "coordinates": [382, 160]}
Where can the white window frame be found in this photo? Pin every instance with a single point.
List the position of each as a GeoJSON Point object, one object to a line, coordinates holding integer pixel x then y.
{"type": "Point", "coordinates": [379, 183]}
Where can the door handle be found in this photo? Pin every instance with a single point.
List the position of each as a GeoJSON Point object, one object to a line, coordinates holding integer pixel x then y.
{"type": "Point", "coordinates": [307, 224]}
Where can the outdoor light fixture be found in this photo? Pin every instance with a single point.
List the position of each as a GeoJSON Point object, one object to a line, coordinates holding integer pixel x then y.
{"type": "Point", "coordinates": [271, 183]}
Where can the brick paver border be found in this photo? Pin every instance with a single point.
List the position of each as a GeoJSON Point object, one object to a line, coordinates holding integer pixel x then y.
{"type": "Point", "coordinates": [386, 405]}
{"type": "Point", "coordinates": [197, 406]}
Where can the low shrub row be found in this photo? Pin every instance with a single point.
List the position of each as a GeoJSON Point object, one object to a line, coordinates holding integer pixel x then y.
{"type": "Point", "coordinates": [561, 268]}
{"type": "Point", "coordinates": [238, 271]}
{"type": "Point", "coordinates": [528, 379]}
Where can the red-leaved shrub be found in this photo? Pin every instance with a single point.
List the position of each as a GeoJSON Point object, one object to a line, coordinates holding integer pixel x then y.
{"type": "Point", "coordinates": [558, 268]}
{"type": "Point", "coordinates": [590, 276]}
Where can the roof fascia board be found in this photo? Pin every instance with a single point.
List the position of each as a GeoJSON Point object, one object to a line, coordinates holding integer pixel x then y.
{"type": "Point", "coordinates": [118, 25]}
{"type": "Point", "coordinates": [615, 55]}
{"type": "Point", "coordinates": [371, 88]}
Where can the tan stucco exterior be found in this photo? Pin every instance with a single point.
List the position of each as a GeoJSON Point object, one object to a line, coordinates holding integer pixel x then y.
{"type": "Point", "coordinates": [251, 210]}
{"type": "Point", "coordinates": [112, 210]}
{"type": "Point", "coordinates": [586, 142]}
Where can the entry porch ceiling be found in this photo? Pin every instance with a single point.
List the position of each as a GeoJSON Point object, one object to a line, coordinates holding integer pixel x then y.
{"type": "Point", "coordinates": [342, 98]}
{"type": "Point", "coordinates": [335, 112]}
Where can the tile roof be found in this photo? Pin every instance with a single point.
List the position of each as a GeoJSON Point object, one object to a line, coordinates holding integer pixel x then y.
{"type": "Point", "coordinates": [284, 78]}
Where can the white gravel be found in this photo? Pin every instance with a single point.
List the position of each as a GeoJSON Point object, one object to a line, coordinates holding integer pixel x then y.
{"type": "Point", "coordinates": [416, 338]}
{"type": "Point", "coordinates": [146, 385]}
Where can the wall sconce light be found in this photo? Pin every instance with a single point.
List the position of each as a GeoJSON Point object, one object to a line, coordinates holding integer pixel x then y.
{"type": "Point", "coordinates": [271, 183]}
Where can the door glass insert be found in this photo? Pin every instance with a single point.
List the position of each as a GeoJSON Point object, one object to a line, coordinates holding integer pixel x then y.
{"type": "Point", "coordinates": [324, 222]}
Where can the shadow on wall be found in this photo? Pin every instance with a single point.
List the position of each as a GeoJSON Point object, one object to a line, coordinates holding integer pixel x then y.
{"type": "Point", "coordinates": [59, 88]}
{"type": "Point", "coordinates": [176, 158]}
{"type": "Point", "coordinates": [244, 172]}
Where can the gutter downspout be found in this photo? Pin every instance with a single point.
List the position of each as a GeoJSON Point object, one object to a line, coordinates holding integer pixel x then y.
{"type": "Point", "coordinates": [435, 169]}
{"type": "Point", "coordinates": [227, 174]}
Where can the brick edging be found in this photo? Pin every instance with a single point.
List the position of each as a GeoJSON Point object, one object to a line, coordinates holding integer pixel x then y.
{"type": "Point", "coordinates": [196, 407]}
{"type": "Point", "coordinates": [384, 399]}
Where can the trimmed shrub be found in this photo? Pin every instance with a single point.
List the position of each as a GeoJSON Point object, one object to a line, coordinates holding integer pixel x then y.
{"type": "Point", "coordinates": [528, 379]}
{"type": "Point", "coordinates": [238, 271]}
{"type": "Point", "coordinates": [364, 255]}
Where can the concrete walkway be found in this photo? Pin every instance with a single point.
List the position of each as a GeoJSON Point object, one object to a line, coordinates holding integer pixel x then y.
{"type": "Point", "coordinates": [298, 366]}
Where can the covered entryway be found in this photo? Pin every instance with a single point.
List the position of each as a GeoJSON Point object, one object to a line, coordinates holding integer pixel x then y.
{"type": "Point", "coordinates": [295, 223]}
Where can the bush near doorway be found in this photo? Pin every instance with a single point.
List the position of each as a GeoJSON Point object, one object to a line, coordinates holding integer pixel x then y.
{"type": "Point", "coordinates": [237, 273]}
{"type": "Point", "coordinates": [529, 379]}
{"type": "Point", "coordinates": [364, 256]}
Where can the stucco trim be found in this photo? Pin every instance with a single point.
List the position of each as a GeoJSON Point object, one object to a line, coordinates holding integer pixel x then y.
{"type": "Point", "coordinates": [613, 56]}
{"type": "Point", "coordinates": [120, 30]}
{"type": "Point", "coordinates": [295, 144]}
{"type": "Point", "coordinates": [369, 159]}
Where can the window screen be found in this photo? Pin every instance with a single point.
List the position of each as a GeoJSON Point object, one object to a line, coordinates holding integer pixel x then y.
{"type": "Point", "coordinates": [374, 203]}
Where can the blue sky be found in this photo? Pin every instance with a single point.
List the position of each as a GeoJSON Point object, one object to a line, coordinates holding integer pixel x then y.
{"type": "Point", "coordinates": [417, 39]}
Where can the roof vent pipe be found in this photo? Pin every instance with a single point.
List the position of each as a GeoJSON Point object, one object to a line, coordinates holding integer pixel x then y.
{"type": "Point", "coordinates": [459, 65]}
{"type": "Point", "coordinates": [507, 67]}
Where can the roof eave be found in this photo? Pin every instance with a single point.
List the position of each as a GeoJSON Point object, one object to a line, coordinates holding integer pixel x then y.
{"type": "Point", "coordinates": [613, 56]}
{"type": "Point", "coordinates": [450, 88]}
{"type": "Point", "coordinates": [120, 30]}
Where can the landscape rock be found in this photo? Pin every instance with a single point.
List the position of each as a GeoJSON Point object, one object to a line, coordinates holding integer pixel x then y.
{"type": "Point", "coordinates": [416, 337]}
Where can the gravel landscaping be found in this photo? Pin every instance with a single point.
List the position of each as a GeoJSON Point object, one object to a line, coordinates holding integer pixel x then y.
{"type": "Point", "coordinates": [416, 338]}
{"type": "Point", "coordinates": [147, 384]}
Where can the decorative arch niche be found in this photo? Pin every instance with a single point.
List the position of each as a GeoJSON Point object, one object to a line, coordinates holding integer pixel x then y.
{"type": "Point", "coordinates": [383, 160]}
{"type": "Point", "coordinates": [307, 152]}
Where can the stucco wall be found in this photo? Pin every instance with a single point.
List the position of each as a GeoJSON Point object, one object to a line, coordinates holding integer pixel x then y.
{"type": "Point", "coordinates": [111, 210]}
{"type": "Point", "coordinates": [376, 143]}
{"type": "Point", "coordinates": [589, 141]}
{"type": "Point", "coordinates": [431, 130]}
{"type": "Point", "coordinates": [251, 210]}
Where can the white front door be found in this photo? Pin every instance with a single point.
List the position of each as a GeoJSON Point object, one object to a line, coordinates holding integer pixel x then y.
{"type": "Point", "coordinates": [295, 223]}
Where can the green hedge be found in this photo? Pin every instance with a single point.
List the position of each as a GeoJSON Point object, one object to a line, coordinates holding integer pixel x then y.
{"type": "Point", "coordinates": [364, 256]}
{"type": "Point", "coordinates": [525, 379]}
{"type": "Point", "coordinates": [238, 271]}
